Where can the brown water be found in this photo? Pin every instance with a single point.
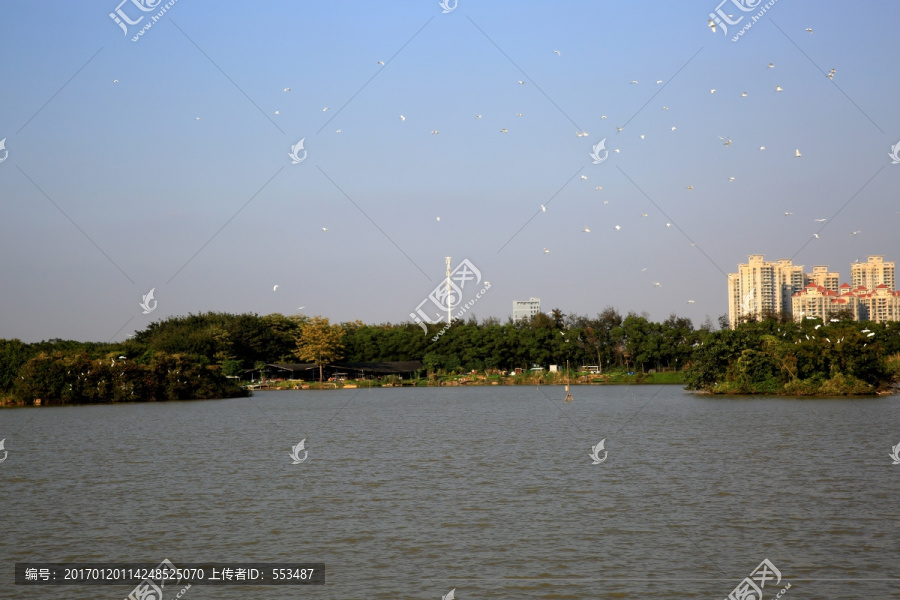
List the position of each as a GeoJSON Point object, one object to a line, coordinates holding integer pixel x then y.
{"type": "Point", "coordinates": [408, 493]}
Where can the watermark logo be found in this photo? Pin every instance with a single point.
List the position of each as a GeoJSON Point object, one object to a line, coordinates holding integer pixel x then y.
{"type": "Point", "coordinates": [720, 17]}
{"type": "Point", "coordinates": [448, 6]}
{"type": "Point", "coordinates": [294, 154]}
{"type": "Point", "coordinates": [6, 152]}
{"type": "Point", "coordinates": [6, 453]}
{"type": "Point", "coordinates": [895, 455]}
{"type": "Point", "coordinates": [122, 19]}
{"type": "Point", "coordinates": [601, 145]}
{"type": "Point", "coordinates": [449, 595]}
{"type": "Point", "coordinates": [895, 152]}
{"type": "Point", "coordinates": [148, 298]}
{"type": "Point", "coordinates": [448, 296]}
{"type": "Point", "coordinates": [748, 302]}
{"type": "Point", "coordinates": [152, 587]}
{"type": "Point", "coordinates": [595, 453]}
{"type": "Point", "coordinates": [295, 452]}
{"type": "Point", "coordinates": [751, 588]}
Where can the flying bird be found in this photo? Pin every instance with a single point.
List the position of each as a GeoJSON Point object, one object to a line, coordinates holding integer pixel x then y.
{"type": "Point", "coordinates": [287, 89]}
{"type": "Point", "coordinates": [583, 177]}
{"type": "Point", "coordinates": [438, 218]}
{"type": "Point", "coordinates": [518, 114]}
{"type": "Point", "coordinates": [855, 232]}
{"type": "Point", "coordinates": [324, 229]}
{"type": "Point", "coordinates": [657, 284]}
{"type": "Point", "coordinates": [276, 112]}
{"type": "Point", "coordinates": [726, 140]}
{"type": "Point", "coordinates": [586, 230]}
{"type": "Point", "coordinates": [668, 224]}
{"type": "Point", "coordinates": [690, 187]}
{"type": "Point", "coordinates": [618, 227]}
{"type": "Point", "coordinates": [665, 108]}
{"type": "Point", "coordinates": [557, 52]}
{"type": "Point", "coordinates": [659, 82]}
{"type": "Point", "coordinates": [797, 153]}
{"type": "Point", "coordinates": [477, 116]}
{"type": "Point", "coordinates": [690, 301]}
{"type": "Point", "coordinates": [117, 81]}
{"type": "Point", "coordinates": [778, 88]}
{"type": "Point", "coordinates": [434, 132]}
{"type": "Point", "coordinates": [788, 213]}
{"type": "Point", "coordinates": [744, 94]}
{"type": "Point", "coordinates": [820, 220]}
{"type": "Point", "coordinates": [324, 109]}
{"type": "Point", "coordinates": [275, 288]}
{"type": "Point", "coordinates": [643, 214]}
{"type": "Point", "coordinates": [771, 65]}
{"type": "Point", "coordinates": [546, 251]}
{"type": "Point", "coordinates": [762, 147]}
{"type": "Point", "coordinates": [543, 208]}
{"type": "Point", "coordinates": [731, 179]}
{"type": "Point", "coordinates": [712, 91]}
{"type": "Point", "coordinates": [809, 30]}
{"type": "Point", "coordinates": [504, 130]}
{"type": "Point", "coordinates": [673, 129]}
{"type": "Point", "coordinates": [381, 62]}
{"type": "Point", "coordinates": [712, 25]}
{"type": "Point", "coordinates": [831, 74]}
{"type": "Point", "coordinates": [633, 82]}
{"type": "Point", "coordinates": [521, 82]}
{"type": "Point", "coordinates": [816, 235]}
{"type": "Point", "coordinates": [402, 118]}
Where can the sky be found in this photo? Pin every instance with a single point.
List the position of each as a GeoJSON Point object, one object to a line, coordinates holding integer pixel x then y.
{"type": "Point", "coordinates": [161, 163]}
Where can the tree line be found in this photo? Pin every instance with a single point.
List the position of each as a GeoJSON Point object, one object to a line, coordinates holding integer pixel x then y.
{"type": "Point", "coordinates": [772, 355]}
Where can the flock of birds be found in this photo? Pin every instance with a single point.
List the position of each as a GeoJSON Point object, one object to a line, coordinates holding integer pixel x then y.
{"type": "Point", "coordinates": [726, 141]}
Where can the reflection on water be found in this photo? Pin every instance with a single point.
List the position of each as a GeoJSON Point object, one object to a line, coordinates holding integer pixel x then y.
{"type": "Point", "coordinates": [412, 492]}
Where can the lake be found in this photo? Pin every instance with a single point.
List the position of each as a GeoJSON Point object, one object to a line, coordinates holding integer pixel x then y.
{"type": "Point", "coordinates": [408, 493]}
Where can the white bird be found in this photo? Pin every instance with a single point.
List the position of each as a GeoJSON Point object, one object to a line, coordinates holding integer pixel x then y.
{"type": "Point", "coordinates": [324, 229]}
{"type": "Point", "coordinates": [275, 288]}
{"type": "Point", "coordinates": [586, 230]}
{"type": "Point", "coordinates": [731, 179]}
{"type": "Point", "coordinates": [618, 227]}
{"type": "Point", "coordinates": [668, 224]}
{"type": "Point", "coordinates": [546, 251]}
{"type": "Point", "coordinates": [543, 208]}
{"type": "Point", "coordinates": [797, 153]}
{"type": "Point", "coordinates": [438, 218]}
{"type": "Point", "coordinates": [809, 30]}
{"type": "Point", "coordinates": [831, 74]}
{"type": "Point", "coordinates": [633, 82]}
{"type": "Point", "coordinates": [521, 82]}
{"type": "Point", "coordinates": [762, 147]}
{"type": "Point", "coordinates": [434, 132]}
{"type": "Point", "coordinates": [557, 52]}
{"type": "Point", "coordinates": [599, 187]}
{"type": "Point", "coordinates": [618, 129]}
{"type": "Point", "coordinates": [778, 88]}
{"type": "Point", "coordinates": [276, 112]}
{"type": "Point", "coordinates": [518, 114]}
{"type": "Point", "coordinates": [771, 65]}
{"type": "Point", "coordinates": [381, 62]}
{"type": "Point", "coordinates": [477, 116]}
{"type": "Point", "coordinates": [402, 118]}
{"type": "Point", "coordinates": [643, 214]}
{"type": "Point", "coordinates": [117, 81]}
{"type": "Point", "coordinates": [583, 177]}
{"type": "Point", "coordinates": [816, 235]}
{"type": "Point", "coordinates": [726, 140]}
{"type": "Point", "coordinates": [673, 129]}
{"type": "Point", "coordinates": [690, 301]}
{"type": "Point", "coordinates": [504, 130]}
{"type": "Point", "coordinates": [644, 269]}
{"type": "Point", "coordinates": [665, 108]}
{"type": "Point", "coordinates": [603, 116]}
{"type": "Point", "coordinates": [338, 131]}
{"type": "Point", "coordinates": [788, 213]}
{"type": "Point", "coordinates": [324, 109]}
{"type": "Point", "coordinates": [712, 25]}
{"type": "Point", "coordinates": [657, 284]}
{"type": "Point", "coordinates": [855, 232]}
{"type": "Point", "coordinates": [300, 307]}
{"type": "Point", "coordinates": [642, 136]}
{"type": "Point", "coordinates": [744, 94]}
{"type": "Point", "coordinates": [712, 91]}
{"type": "Point", "coordinates": [196, 118]}
{"type": "Point", "coordinates": [449, 595]}
{"type": "Point", "coordinates": [616, 150]}
{"type": "Point", "coordinates": [287, 89]}
{"type": "Point", "coordinates": [690, 187]}
{"type": "Point", "coordinates": [820, 220]}
{"type": "Point", "coordinates": [659, 81]}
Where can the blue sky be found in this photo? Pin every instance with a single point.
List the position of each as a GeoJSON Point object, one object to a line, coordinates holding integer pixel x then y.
{"type": "Point", "coordinates": [109, 189]}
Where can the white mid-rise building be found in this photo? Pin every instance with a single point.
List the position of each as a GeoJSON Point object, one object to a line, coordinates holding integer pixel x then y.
{"type": "Point", "coordinates": [525, 309]}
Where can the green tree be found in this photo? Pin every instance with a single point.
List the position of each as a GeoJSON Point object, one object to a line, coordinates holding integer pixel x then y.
{"type": "Point", "coordinates": [320, 342]}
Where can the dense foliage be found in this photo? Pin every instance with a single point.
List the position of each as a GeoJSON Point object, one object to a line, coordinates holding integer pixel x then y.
{"type": "Point", "coordinates": [189, 357]}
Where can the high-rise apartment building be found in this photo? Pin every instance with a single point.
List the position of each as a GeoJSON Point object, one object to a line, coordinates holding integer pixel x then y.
{"type": "Point", "coordinates": [762, 287]}
{"type": "Point", "coordinates": [525, 309]}
{"type": "Point", "coordinates": [825, 278]}
{"type": "Point", "coordinates": [872, 273]}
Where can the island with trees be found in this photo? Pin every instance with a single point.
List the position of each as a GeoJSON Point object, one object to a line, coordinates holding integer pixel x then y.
{"type": "Point", "coordinates": [209, 355]}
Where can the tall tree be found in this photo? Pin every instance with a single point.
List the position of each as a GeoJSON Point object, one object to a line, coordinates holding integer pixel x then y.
{"type": "Point", "coordinates": [320, 342]}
